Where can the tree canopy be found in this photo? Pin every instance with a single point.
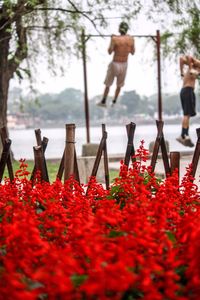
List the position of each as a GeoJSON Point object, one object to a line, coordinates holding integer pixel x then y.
{"type": "Point", "coordinates": [38, 30]}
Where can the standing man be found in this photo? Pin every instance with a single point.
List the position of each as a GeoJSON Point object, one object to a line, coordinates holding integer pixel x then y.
{"type": "Point", "coordinates": [121, 45]}
{"type": "Point", "coordinates": [188, 99]}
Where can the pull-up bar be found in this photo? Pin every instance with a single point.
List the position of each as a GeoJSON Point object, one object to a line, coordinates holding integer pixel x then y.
{"type": "Point", "coordinates": [110, 35]}
{"type": "Point", "coordinates": [85, 38]}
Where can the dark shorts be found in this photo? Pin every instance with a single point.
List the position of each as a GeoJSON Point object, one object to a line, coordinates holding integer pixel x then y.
{"type": "Point", "coordinates": [188, 101]}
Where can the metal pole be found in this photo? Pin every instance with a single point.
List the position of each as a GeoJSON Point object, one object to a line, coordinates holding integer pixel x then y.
{"type": "Point", "coordinates": [159, 75]}
{"type": "Point", "coordinates": [85, 86]}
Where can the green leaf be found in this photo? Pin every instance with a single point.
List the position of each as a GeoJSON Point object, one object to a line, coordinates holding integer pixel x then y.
{"type": "Point", "coordinates": [78, 279]}
{"type": "Point", "coordinates": [171, 236]}
{"type": "Point", "coordinates": [114, 233]}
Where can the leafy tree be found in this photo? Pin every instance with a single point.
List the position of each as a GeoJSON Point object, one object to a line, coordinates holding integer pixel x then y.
{"type": "Point", "coordinates": [181, 21]}
{"type": "Point", "coordinates": [134, 103]}
{"type": "Point", "coordinates": [172, 104]}
{"type": "Point", "coordinates": [64, 107]}
{"type": "Point", "coordinates": [39, 30]}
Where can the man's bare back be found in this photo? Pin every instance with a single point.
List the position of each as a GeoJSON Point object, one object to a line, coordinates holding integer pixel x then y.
{"type": "Point", "coordinates": [121, 45]}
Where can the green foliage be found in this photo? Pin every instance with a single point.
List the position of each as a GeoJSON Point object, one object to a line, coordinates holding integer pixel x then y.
{"type": "Point", "coordinates": [52, 167]}
{"type": "Point", "coordinates": [182, 33]}
{"type": "Point", "coordinates": [171, 236]}
{"type": "Point", "coordinates": [134, 103]}
{"type": "Point", "coordinates": [68, 106]}
{"type": "Point", "coordinates": [78, 279]}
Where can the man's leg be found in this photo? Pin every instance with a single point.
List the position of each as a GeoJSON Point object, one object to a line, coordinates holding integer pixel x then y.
{"type": "Point", "coordinates": [108, 82]}
{"type": "Point", "coordinates": [184, 138]}
{"type": "Point", "coordinates": [102, 103]}
{"type": "Point", "coordinates": [117, 91]}
{"type": "Point", "coordinates": [105, 94]}
{"type": "Point", "coordinates": [185, 126]}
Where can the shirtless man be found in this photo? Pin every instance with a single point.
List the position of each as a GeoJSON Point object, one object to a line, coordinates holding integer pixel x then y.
{"type": "Point", "coordinates": [121, 45]}
{"type": "Point", "coordinates": [188, 99]}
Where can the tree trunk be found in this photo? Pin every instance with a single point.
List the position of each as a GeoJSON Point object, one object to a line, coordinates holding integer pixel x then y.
{"type": "Point", "coordinates": [4, 72]}
{"type": "Point", "coordinates": [4, 85]}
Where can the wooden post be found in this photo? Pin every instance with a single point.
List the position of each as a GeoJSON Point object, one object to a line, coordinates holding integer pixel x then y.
{"type": "Point", "coordinates": [4, 136]}
{"type": "Point", "coordinates": [38, 136]}
{"type": "Point", "coordinates": [61, 167]}
{"type": "Point", "coordinates": [39, 161]}
{"type": "Point", "coordinates": [99, 154]}
{"type": "Point", "coordinates": [69, 151]}
{"type": "Point", "coordinates": [160, 141]}
{"type": "Point", "coordinates": [156, 145]}
{"type": "Point", "coordinates": [130, 151]}
{"type": "Point", "coordinates": [196, 154]}
{"type": "Point", "coordinates": [98, 157]}
{"type": "Point", "coordinates": [105, 157]}
{"type": "Point", "coordinates": [4, 156]}
{"type": "Point", "coordinates": [43, 143]}
{"type": "Point", "coordinates": [175, 162]}
{"type": "Point", "coordinates": [76, 171]}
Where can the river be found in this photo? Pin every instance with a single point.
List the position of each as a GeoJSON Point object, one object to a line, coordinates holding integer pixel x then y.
{"type": "Point", "coordinates": [23, 140]}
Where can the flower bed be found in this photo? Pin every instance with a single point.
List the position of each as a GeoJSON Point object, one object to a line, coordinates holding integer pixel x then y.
{"type": "Point", "coordinates": [139, 240]}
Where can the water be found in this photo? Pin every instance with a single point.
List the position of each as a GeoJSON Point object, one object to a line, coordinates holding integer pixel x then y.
{"type": "Point", "coordinates": [23, 140]}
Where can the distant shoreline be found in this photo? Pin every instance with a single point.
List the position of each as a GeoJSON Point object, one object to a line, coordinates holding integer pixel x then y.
{"type": "Point", "coordinates": [137, 121]}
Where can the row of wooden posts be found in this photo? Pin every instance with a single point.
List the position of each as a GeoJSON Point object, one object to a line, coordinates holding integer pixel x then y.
{"type": "Point", "coordinates": [69, 166]}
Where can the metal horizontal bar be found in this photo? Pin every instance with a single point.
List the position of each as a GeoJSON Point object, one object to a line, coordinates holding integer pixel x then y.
{"type": "Point", "coordinates": [110, 35]}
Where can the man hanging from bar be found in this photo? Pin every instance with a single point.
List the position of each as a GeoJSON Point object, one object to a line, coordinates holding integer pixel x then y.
{"type": "Point", "coordinates": [187, 95]}
{"type": "Point", "coordinates": [190, 61]}
{"type": "Point", "coordinates": [121, 45]}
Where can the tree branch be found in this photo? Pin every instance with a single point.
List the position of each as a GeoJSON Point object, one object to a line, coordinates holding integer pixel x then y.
{"type": "Point", "coordinates": [18, 10]}
{"type": "Point", "coordinates": [63, 10]}
{"type": "Point", "coordinates": [83, 13]}
{"type": "Point", "coordinates": [21, 51]}
{"type": "Point", "coordinates": [47, 27]}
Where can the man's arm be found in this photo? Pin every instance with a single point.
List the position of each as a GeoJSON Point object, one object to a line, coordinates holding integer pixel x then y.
{"type": "Point", "coordinates": [133, 47]}
{"type": "Point", "coordinates": [186, 60]}
{"type": "Point", "coordinates": [182, 62]}
{"type": "Point", "coordinates": [111, 46]}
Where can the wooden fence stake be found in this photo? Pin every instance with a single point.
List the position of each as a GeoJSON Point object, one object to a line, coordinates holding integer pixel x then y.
{"type": "Point", "coordinates": [69, 151]}
{"type": "Point", "coordinates": [196, 154]}
{"type": "Point", "coordinates": [61, 167]}
{"type": "Point", "coordinates": [105, 158]}
{"type": "Point", "coordinates": [130, 151]}
{"type": "Point", "coordinates": [160, 141]}
{"type": "Point", "coordinates": [99, 154]}
{"type": "Point", "coordinates": [4, 136]}
{"type": "Point", "coordinates": [43, 143]}
{"type": "Point", "coordinates": [4, 157]}
{"type": "Point", "coordinates": [175, 162]}
{"type": "Point", "coordinates": [39, 162]}
{"type": "Point", "coordinates": [70, 134]}
{"type": "Point", "coordinates": [101, 148]}
{"type": "Point", "coordinates": [38, 136]}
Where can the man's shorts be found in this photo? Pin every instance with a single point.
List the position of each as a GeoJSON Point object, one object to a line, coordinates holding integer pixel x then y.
{"type": "Point", "coordinates": [188, 101]}
{"type": "Point", "coordinates": [118, 70]}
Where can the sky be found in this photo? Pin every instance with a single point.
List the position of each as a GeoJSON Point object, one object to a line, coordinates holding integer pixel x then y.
{"type": "Point", "coordinates": [142, 68]}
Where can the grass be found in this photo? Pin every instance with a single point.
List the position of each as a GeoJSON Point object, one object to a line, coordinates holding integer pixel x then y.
{"type": "Point", "coordinates": [52, 167]}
